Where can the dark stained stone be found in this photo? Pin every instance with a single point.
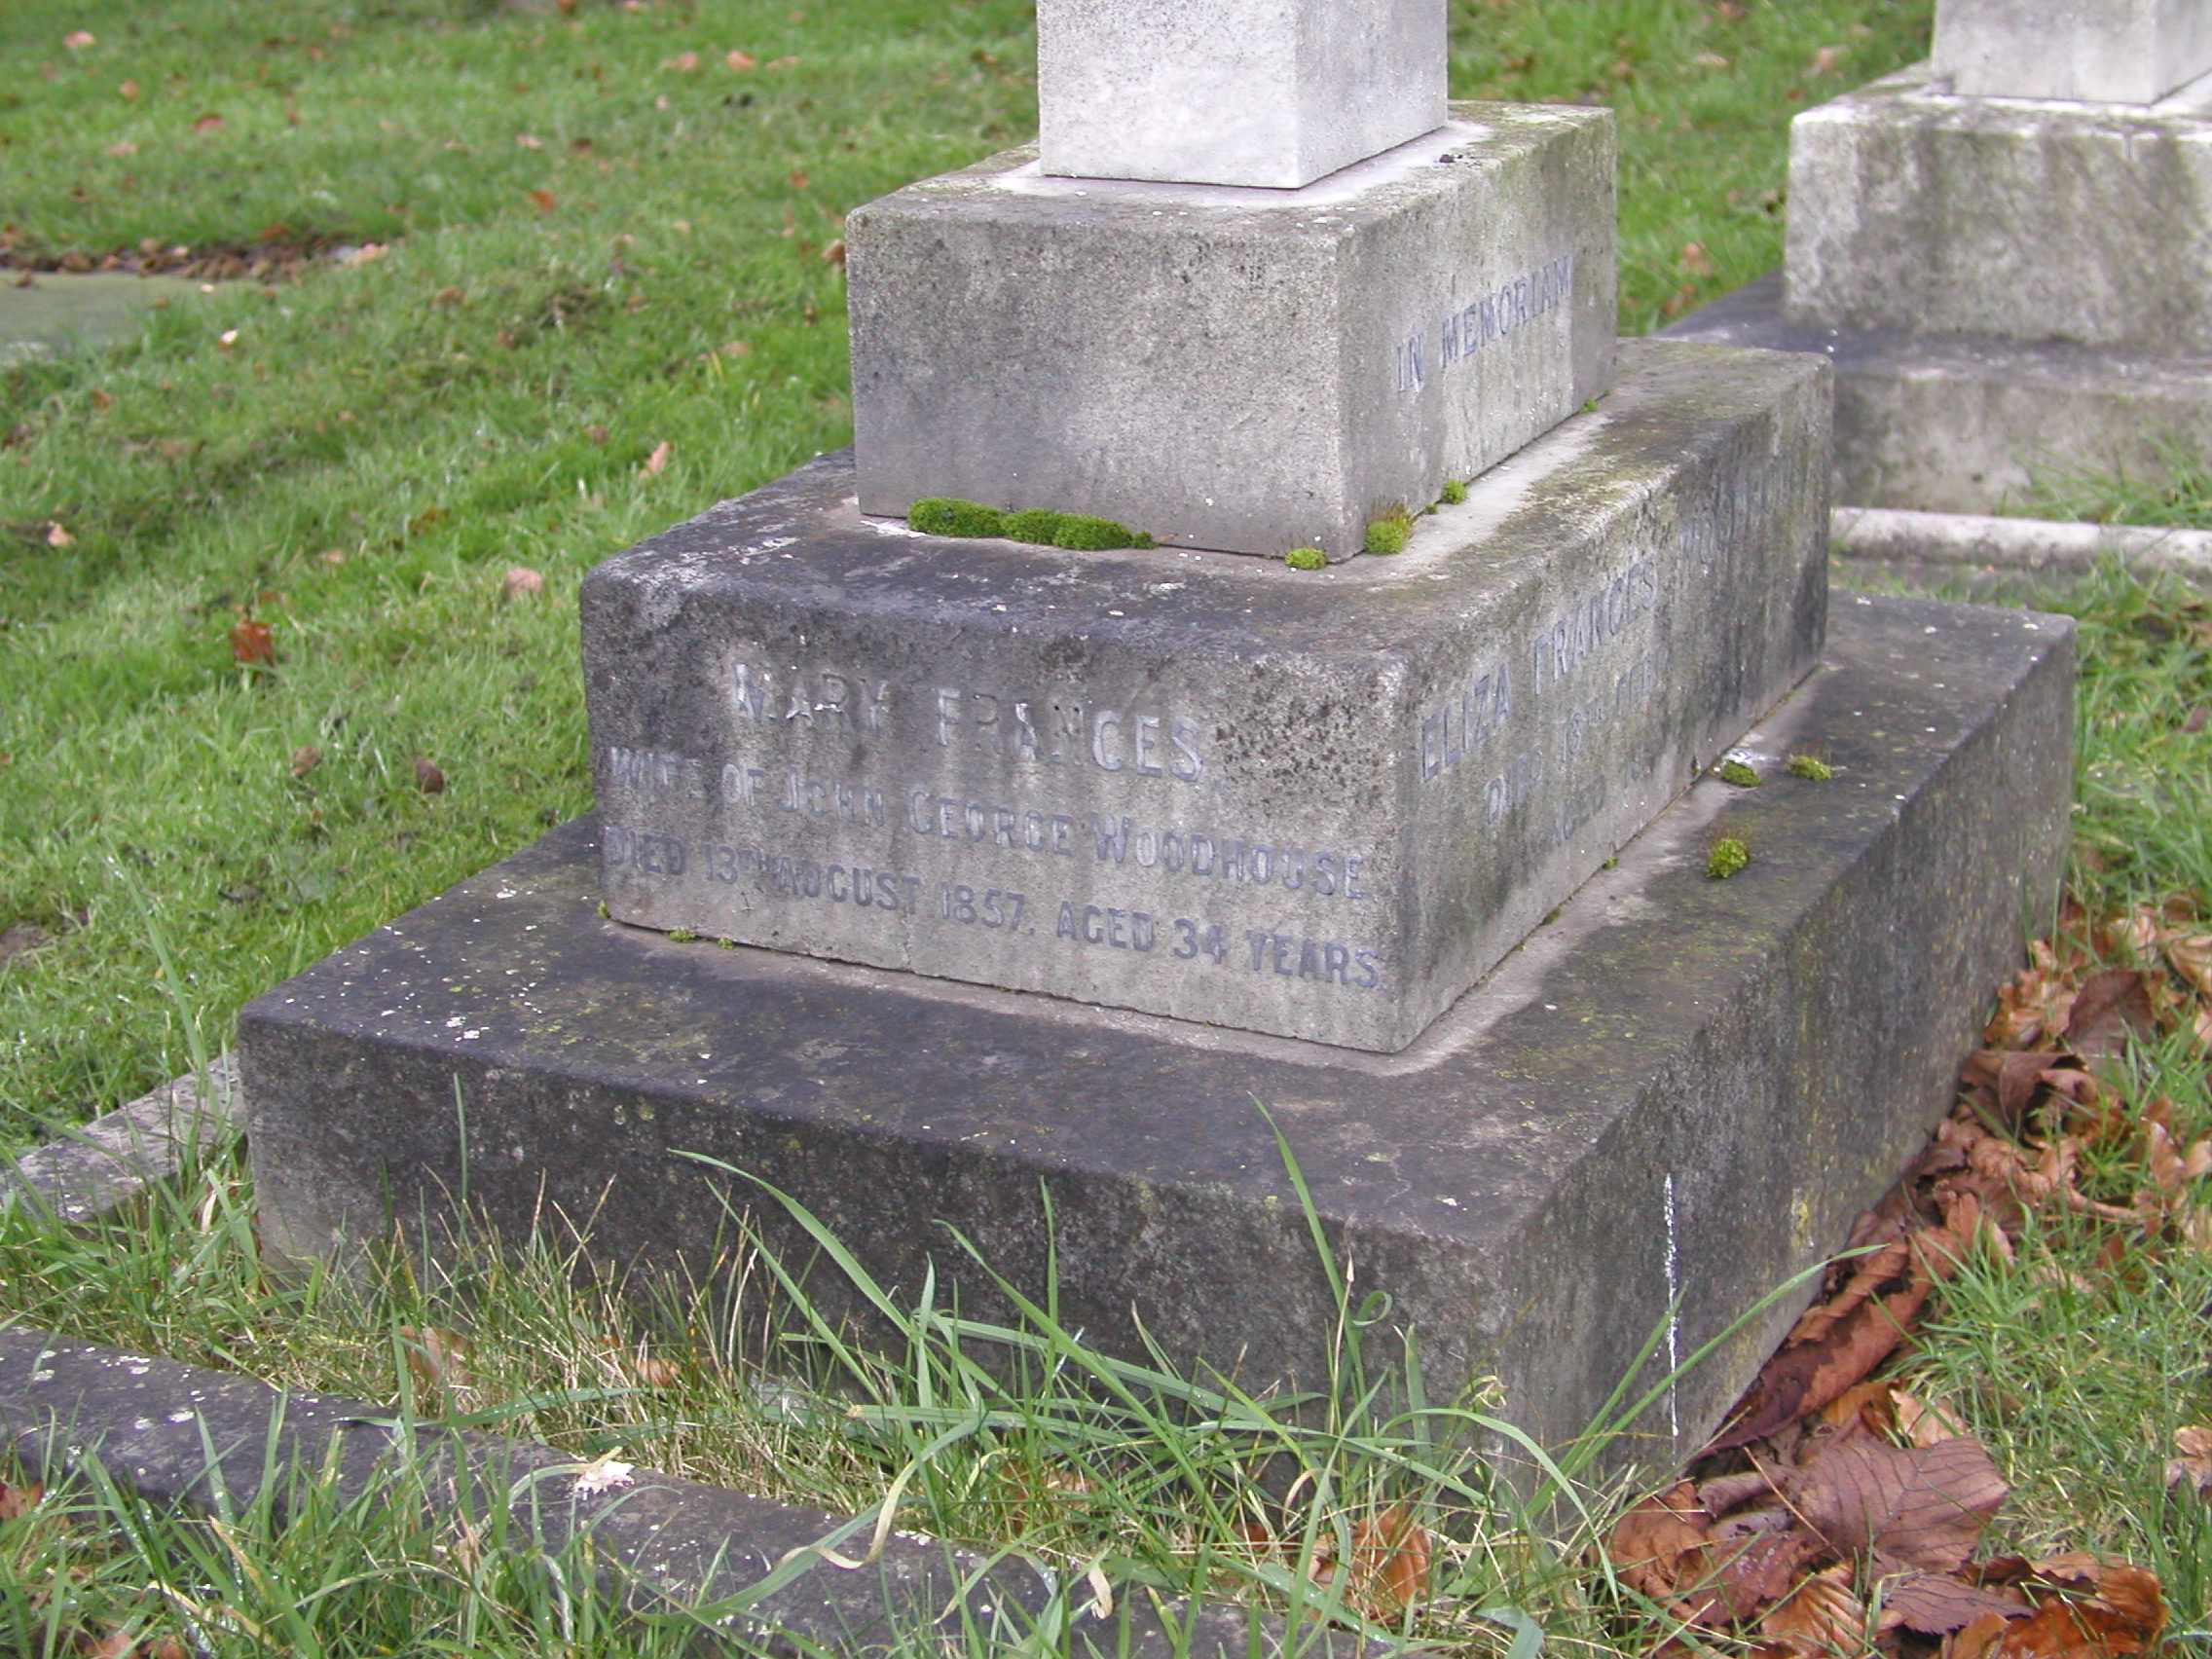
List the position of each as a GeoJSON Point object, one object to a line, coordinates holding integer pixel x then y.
{"type": "Point", "coordinates": [1678, 1093]}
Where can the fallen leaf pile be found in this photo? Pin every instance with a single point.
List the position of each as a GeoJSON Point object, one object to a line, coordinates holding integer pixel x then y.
{"type": "Point", "coordinates": [277, 253]}
{"type": "Point", "coordinates": [1839, 1515]}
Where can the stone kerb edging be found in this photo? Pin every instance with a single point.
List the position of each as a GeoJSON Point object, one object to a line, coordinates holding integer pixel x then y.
{"type": "Point", "coordinates": [179, 1434]}
{"type": "Point", "coordinates": [176, 1433]}
{"type": "Point", "coordinates": [86, 1173]}
{"type": "Point", "coordinates": [1888, 536]}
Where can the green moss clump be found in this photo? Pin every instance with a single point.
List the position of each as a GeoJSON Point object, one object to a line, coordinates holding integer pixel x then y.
{"type": "Point", "coordinates": [1038, 524]}
{"type": "Point", "coordinates": [1455, 493]}
{"type": "Point", "coordinates": [1042, 527]}
{"type": "Point", "coordinates": [1811, 766]}
{"type": "Point", "coordinates": [1389, 534]}
{"type": "Point", "coordinates": [949, 515]}
{"type": "Point", "coordinates": [1083, 534]}
{"type": "Point", "coordinates": [1737, 773]}
{"type": "Point", "coordinates": [1727, 856]}
{"type": "Point", "coordinates": [681, 936]}
{"type": "Point", "coordinates": [1306, 559]}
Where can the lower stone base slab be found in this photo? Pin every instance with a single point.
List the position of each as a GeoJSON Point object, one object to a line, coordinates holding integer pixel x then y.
{"type": "Point", "coordinates": [1675, 1096]}
{"type": "Point", "coordinates": [1962, 423]}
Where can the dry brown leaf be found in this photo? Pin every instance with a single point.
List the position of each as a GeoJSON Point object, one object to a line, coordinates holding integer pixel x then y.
{"type": "Point", "coordinates": [251, 642]}
{"type": "Point", "coordinates": [1936, 1603]}
{"type": "Point", "coordinates": [2065, 1630]}
{"type": "Point", "coordinates": [1834, 1345]}
{"type": "Point", "coordinates": [56, 536]}
{"type": "Point", "coordinates": [1924, 1422]}
{"type": "Point", "coordinates": [2165, 1161]}
{"type": "Point", "coordinates": [2194, 1468]}
{"type": "Point", "coordinates": [520, 580]}
{"type": "Point", "coordinates": [438, 1358]}
{"type": "Point", "coordinates": [17, 1500]}
{"type": "Point", "coordinates": [1977, 1637]}
{"type": "Point", "coordinates": [1823, 1617]}
{"type": "Point", "coordinates": [1925, 1507]}
{"type": "Point", "coordinates": [1390, 1562]}
{"type": "Point", "coordinates": [738, 59]}
{"type": "Point", "coordinates": [1866, 1402]}
{"type": "Point", "coordinates": [543, 200]}
{"type": "Point", "coordinates": [1659, 1545]}
{"type": "Point", "coordinates": [2125, 1603]}
{"type": "Point", "coordinates": [427, 777]}
{"type": "Point", "coordinates": [2112, 1006]}
{"type": "Point", "coordinates": [657, 460]}
{"type": "Point", "coordinates": [1761, 1573]}
{"type": "Point", "coordinates": [2190, 956]}
{"type": "Point", "coordinates": [305, 759]}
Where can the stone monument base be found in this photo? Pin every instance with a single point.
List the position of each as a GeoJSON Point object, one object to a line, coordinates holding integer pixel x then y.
{"type": "Point", "coordinates": [1152, 778]}
{"type": "Point", "coordinates": [1677, 1095]}
{"type": "Point", "coordinates": [1962, 422]}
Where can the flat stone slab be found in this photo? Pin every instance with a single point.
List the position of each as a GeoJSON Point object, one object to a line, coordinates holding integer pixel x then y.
{"type": "Point", "coordinates": [1253, 370]}
{"type": "Point", "coordinates": [2108, 50]}
{"type": "Point", "coordinates": [1678, 1093]}
{"type": "Point", "coordinates": [1273, 92]}
{"type": "Point", "coordinates": [1314, 803]}
{"type": "Point", "coordinates": [1962, 423]}
{"type": "Point", "coordinates": [83, 1174]}
{"type": "Point", "coordinates": [62, 312]}
{"type": "Point", "coordinates": [213, 1440]}
{"type": "Point", "coordinates": [1913, 208]}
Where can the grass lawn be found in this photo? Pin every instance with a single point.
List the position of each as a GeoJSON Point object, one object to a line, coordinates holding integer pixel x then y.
{"type": "Point", "coordinates": [592, 289]}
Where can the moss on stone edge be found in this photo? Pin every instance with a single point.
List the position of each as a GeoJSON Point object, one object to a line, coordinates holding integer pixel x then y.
{"type": "Point", "coordinates": [1042, 527]}
{"type": "Point", "coordinates": [1081, 533]}
{"type": "Point", "coordinates": [1389, 534]}
{"type": "Point", "coordinates": [1737, 772]}
{"type": "Point", "coordinates": [1810, 766]}
{"type": "Point", "coordinates": [1455, 493]}
{"type": "Point", "coordinates": [1306, 559]}
{"type": "Point", "coordinates": [949, 515]}
{"type": "Point", "coordinates": [1726, 857]}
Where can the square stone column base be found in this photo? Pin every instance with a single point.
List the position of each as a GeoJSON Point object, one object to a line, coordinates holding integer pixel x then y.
{"type": "Point", "coordinates": [1675, 1096]}
{"type": "Point", "coordinates": [1242, 369]}
{"type": "Point", "coordinates": [1317, 803]}
{"type": "Point", "coordinates": [1962, 423]}
{"type": "Point", "coordinates": [2029, 219]}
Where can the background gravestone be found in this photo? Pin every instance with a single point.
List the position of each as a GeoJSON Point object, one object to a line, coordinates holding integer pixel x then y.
{"type": "Point", "coordinates": [2010, 280]}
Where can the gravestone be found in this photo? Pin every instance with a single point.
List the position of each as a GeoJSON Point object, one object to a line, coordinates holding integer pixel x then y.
{"type": "Point", "coordinates": [961, 882]}
{"type": "Point", "coordinates": [2130, 52]}
{"type": "Point", "coordinates": [2007, 254]}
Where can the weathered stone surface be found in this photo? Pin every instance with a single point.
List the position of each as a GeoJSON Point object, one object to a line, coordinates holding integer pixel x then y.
{"type": "Point", "coordinates": [2097, 50]}
{"type": "Point", "coordinates": [1314, 803]}
{"type": "Point", "coordinates": [179, 1434]}
{"type": "Point", "coordinates": [1253, 370]}
{"type": "Point", "coordinates": [1962, 423]}
{"type": "Point", "coordinates": [1679, 1088]}
{"type": "Point", "coordinates": [1273, 92]}
{"type": "Point", "coordinates": [83, 1174]}
{"type": "Point", "coordinates": [2032, 221]}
